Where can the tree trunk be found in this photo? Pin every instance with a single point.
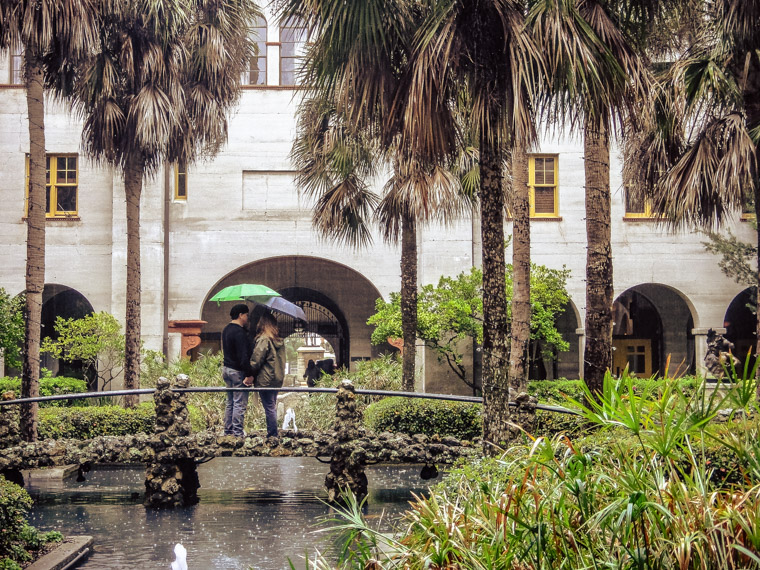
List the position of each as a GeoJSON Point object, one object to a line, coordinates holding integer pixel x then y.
{"type": "Point", "coordinates": [409, 299]}
{"type": "Point", "coordinates": [133, 180]}
{"type": "Point", "coordinates": [496, 430]}
{"type": "Point", "coordinates": [35, 244]}
{"type": "Point", "coordinates": [597, 357]}
{"type": "Point", "coordinates": [520, 326]}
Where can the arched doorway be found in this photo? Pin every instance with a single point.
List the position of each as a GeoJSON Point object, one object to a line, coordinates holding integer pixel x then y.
{"type": "Point", "coordinates": [66, 303]}
{"type": "Point", "coordinates": [337, 301]}
{"type": "Point", "coordinates": [652, 323]}
{"type": "Point", "coordinates": [564, 364]}
{"type": "Point", "coordinates": [741, 322]}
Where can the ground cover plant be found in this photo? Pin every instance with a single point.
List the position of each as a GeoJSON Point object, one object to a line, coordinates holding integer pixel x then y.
{"type": "Point", "coordinates": [642, 491]}
{"type": "Point", "coordinates": [19, 542]}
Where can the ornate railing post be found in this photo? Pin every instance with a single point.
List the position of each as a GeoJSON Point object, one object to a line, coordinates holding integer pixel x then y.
{"type": "Point", "coordinates": [10, 432]}
{"type": "Point", "coordinates": [347, 461]}
{"type": "Point", "coordinates": [171, 479]}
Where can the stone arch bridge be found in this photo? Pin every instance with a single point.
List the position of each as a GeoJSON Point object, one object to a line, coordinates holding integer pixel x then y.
{"type": "Point", "coordinates": [172, 453]}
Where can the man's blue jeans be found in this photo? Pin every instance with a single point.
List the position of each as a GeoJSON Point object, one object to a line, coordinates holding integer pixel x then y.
{"type": "Point", "coordinates": [269, 403]}
{"type": "Point", "coordinates": [237, 402]}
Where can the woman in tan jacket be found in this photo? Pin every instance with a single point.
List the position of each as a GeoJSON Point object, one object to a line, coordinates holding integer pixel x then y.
{"type": "Point", "coordinates": [268, 364]}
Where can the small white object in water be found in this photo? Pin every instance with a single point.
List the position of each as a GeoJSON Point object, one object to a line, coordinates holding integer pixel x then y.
{"type": "Point", "coordinates": [180, 553]}
{"type": "Point", "coordinates": [290, 418]}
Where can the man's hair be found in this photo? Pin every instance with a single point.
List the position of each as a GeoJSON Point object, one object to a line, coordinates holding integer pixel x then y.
{"type": "Point", "coordinates": [238, 310]}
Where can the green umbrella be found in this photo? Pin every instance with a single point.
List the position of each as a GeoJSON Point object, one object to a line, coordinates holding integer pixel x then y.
{"type": "Point", "coordinates": [245, 292]}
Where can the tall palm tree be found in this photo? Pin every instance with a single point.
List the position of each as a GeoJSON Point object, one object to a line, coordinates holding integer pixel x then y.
{"type": "Point", "coordinates": [482, 48]}
{"type": "Point", "coordinates": [599, 77]}
{"type": "Point", "coordinates": [156, 88]}
{"type": "Point", "coordinates": [697, 155]}
{"type": "Point", "coordinates": [477, 48]}
{"type": "Point", "coordinates": [53, 34]}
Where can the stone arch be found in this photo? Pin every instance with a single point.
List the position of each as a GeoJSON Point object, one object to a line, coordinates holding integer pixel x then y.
{"type": "Point", "coordinates": [652, 331]}
{"type": "Point", "coordinates": [740, 323]}
{"type": "Point", "coordinates": [338, 298]}
{"type": "Point", "coordinates": [567, 364]}
{"type": "Point", "coordinates": [68, 303]}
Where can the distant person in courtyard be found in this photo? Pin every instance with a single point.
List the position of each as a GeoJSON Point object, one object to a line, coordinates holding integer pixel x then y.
{"type": "Point", "coordinates": [311, 374]}
{"type": "Point", "coordinates": [268, 364]}
{"type": "Point", "coordinates": [236, 369]}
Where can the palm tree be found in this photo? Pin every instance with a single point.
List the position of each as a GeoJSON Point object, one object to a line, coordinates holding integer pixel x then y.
{"type": "Point", "coordinates": [598, 77]}
{"type": "Point", "coordinates": [336, 163]}
{"type": "Point", "coordinates": [53, 34]}
{"type": "Point", "coordinates": [697, 155]}
{"type": "Point", "coordinates": [156, 88]}
{"type": "Point", "coordinates": [410, 94]}
{"type": "Point", "coordinates": [483, 49]}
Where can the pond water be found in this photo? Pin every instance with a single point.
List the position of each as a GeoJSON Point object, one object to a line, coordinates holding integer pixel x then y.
{"type": "Point", "coordinates": [253, 513]}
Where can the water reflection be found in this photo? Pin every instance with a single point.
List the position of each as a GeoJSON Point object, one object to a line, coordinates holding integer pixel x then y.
{"type": "Point", "coordinates": [253, 513]}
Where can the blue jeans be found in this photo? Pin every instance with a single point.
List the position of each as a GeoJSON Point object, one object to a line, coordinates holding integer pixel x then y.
{"type": "Point", "coordinates": [237, 402]}
{"type": "Point", "coordinates": [269, 403]}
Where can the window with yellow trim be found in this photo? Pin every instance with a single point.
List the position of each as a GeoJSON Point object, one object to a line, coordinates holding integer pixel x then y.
{"type": "Point", "coordinates": [544, 190]}
{"type": "Point", "coordinates": [180, 181]}
{"type": "Point", "coordinates": [61, 185]}
{"type": "Point", "coordinates": [637, 206]}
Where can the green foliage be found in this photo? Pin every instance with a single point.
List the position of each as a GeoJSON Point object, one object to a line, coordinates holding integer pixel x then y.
{"type": "Point", "coordinates": [656, 486]}
{"type": "Point", "coordinates": [96, 340]}
{"type": "Point", "coordinates": [738, 259]}
{"type": "Point", "coordinates": [452, 312]}
{"type": "Point", "coordinates": [11, 327]}
{"type": "Point", "coordinates": [50, 387]}
{"type": "Point", "coordinates": [17, 537]}
{"type": "Point", "coordinates": [94, 421]}
{"type": "Point", "coordinates": [429, 417]}
{"type": "Point", "coordinates": [317, 411]}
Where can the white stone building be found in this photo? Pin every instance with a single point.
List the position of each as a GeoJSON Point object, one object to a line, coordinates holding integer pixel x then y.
{"type": "Point", "coordinates": [239, 218]}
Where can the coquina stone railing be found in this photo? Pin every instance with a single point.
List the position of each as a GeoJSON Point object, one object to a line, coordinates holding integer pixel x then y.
{"type": "Point", "coordinates": [172, 452]}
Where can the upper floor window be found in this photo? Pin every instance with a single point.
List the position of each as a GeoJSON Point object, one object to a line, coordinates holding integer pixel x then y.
{"type": "Point", "coordinates": [61, 185]}
{"type": "Point", "coordinates": [292, 46]}
{"type": "Point", "coordinates": [15, 68]}
{"type": "Point", "coordinates": [257, 71]}
{"type": "Point", "coordinates": [180, 181]}
{"type": "Point", "coordinates": [542, 180]}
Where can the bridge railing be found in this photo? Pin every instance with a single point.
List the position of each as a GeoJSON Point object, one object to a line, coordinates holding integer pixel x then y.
{"type": "Point", "coordinates": [200, 389]}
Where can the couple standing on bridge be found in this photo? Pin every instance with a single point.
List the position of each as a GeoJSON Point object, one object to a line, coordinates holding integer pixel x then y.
{"type": "Point", "coordinates": [261, 365]}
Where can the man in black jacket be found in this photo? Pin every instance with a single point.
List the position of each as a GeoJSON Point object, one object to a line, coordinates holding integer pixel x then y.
{"type": "Point", "coordinates": [237, 369]}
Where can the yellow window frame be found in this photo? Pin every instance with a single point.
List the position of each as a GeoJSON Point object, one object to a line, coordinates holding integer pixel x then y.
{"type": "Point", "coordinates": [532, 185]}
{"type": "Point", "coordinates": [180, 181]}
{"type": "Point", "coordinates": [647, 213]}
{"type": "Point", "coordinates": [53, 185]}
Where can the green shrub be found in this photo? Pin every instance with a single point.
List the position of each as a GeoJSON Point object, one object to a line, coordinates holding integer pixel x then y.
{"type": "Point", "coordinates": [17, 537]}
{"type": "Point", "coordinates": [94, 421]}
{"type": "Point", "coordinates": [429, 417]}
{"type": "Point", "coordinates": [49, 387]}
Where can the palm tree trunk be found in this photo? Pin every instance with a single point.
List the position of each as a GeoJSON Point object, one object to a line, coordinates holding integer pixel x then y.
{"type": "Point", "coordinates": [495, 343]}
{"type": "Point", "coordinates": [597, 356]}
{"type": "Point", "coordinates": [133, 180]}
{"type": "Point", "coordinates": [520, 326]}
{"type": "Point", "coordinates": [35, 244]}
{"type": "Point", "coordinates": [409, 299]}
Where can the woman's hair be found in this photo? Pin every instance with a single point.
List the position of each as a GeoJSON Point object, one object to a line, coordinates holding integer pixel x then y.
{"type": "Point", "coordinates": [268, 327]}
{"type": "Point", "coordinates": [311, 364]}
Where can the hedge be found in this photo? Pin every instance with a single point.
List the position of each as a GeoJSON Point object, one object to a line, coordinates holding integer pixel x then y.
{"type": "Point", "coordinates": [558, 391]}
{"type": "Point", "coordinates": [94, 421]}
{"type": "Point", "coordinates": [49, 387]}
{"type": "Point", "coordinates": [429, 417]}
